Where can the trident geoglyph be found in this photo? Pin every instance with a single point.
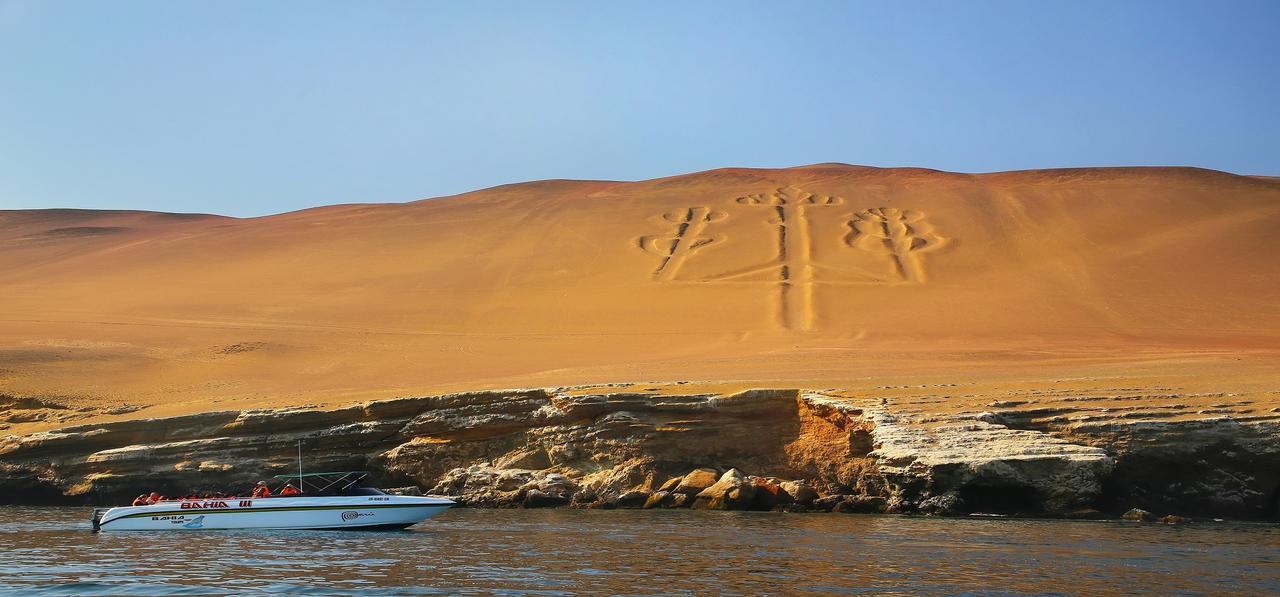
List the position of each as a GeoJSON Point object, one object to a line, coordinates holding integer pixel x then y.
{"type": "Point", "coordinates": [795, 250]}
{"type": "Point", "coordinates": [898, 234]}
{"type": "Point", "coordinates": [687, 237]}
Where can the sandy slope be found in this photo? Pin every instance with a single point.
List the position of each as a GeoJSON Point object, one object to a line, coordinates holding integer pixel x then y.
{"type": "Point", "coordinates": [826, 275]}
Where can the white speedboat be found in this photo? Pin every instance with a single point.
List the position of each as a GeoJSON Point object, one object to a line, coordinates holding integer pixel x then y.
{"type": "Point", "coordinates": [336, 502]}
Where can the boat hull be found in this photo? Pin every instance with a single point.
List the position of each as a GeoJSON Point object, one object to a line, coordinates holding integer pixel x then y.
{"type": "Point", "coordinates": [315, 513]}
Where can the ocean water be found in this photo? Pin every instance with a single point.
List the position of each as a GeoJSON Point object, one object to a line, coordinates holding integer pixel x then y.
{"type": "Point", "coordinates": [565, 552]}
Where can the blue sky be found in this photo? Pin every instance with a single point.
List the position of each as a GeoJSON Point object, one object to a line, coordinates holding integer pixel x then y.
{"type": "Point", "coordinates": [250, 108]}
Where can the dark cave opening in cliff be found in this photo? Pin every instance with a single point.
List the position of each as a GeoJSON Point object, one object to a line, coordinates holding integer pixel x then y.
{"type": "Point", "coordinates": [1000, 499]}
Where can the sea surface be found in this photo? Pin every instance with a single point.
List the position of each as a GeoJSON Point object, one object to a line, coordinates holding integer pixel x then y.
{"type": "Point", "coordinates": [563, 552]}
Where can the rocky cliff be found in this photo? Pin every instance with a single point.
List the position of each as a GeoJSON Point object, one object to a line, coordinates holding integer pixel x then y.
{"type": "Point", "coordinates": [757, 449]}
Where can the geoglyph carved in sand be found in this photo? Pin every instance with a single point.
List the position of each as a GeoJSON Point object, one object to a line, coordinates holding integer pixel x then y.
{"type": "Point", "coordinates": [794, 262]}
{"type": "Point", "coordinates": [899, 233]}
{"type": "Point", "coordinates": [896, 233]}
{"type": "Point", "coordinates": [676, 247]}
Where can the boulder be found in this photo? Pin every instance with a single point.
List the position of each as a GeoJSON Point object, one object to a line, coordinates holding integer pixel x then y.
{"type": "Point", "coordinates": [547, 490]}
{"type": "Point", "coordinates": [666, 499]}
{"type": "Point", "coordinates": [534, 498]}
{"type": "Point", "coordinates": [947, 504]}
{"type": "Point", "coordinates": [852, 504]}
{"type": "Point", "coordinates": [511, 479]}
{"type": "Point", "coordinates": [557, 484]}
{"type": "Point", "coordinates": [584, 499]}
{"type": "Point", "coordinates": [635, 498]}
{"type": "Point", "coordinates": [485, 485]}
{"type": "Point", "coordinates": [410, 490]}
{"type": "Point", "coordinates": [768, 494]}
{"type": "Point", "coordinates": [655, 499]}
{"type": "Point", "coordinates": [731, 492]}
{"type": "Point", "coordinates": [899, 505]}
{"type": "Point", "coordinates": [828, 503]}
{"type": "Point", "coordinates": [671, 484]}
{"type": "Point", "coordinates": [1138, 514]}
{"type": "Point", "coordinates": [696, 481]}
{"type": "Point", "coordinates": [868, 504]}
{"type": "Point", "coordinates": [843, 507]}
{"type": "Point", "coordinates": [1085, 514]}
{"type": "Point", "coordinates": [799, 491]}
{"type": "Point", "coordinates": [451, 483]}
{"type": "Point", "coordinates": [611, 483]}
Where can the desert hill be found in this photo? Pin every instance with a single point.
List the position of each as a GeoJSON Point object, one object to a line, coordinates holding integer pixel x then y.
{"type": "Point", "coordinates": [827, 275]}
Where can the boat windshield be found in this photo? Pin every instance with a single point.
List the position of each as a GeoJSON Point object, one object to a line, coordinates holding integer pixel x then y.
{"type": "Point", "coordinates": [362, 490]}
{"type": "Point", "coordinates": [335, 483]}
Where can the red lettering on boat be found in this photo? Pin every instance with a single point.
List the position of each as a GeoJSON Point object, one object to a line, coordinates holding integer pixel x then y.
{"type": "Point", "coordinates": [202, 505]}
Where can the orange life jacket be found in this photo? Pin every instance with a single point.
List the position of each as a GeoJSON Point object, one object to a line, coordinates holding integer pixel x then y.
{"type": "Point", "coordinates": [261, 491]}
{"type": "Point", "coordinates": [289, 490]}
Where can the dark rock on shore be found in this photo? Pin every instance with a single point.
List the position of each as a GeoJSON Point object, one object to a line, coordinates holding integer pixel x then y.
{"type": "Point", "coordinates": [535, 498]}
{"type": "Point", "coordinates": [799, 492]}
{"type": "Point", "coordinates": [945, 505]}
{"type": "Point", "coordinates": [769, 494]}
{"type": "Point", "coordinates": [1085, 514]}
{"type": "Point", "coordinates": [731, 492]}
{"type": "Point", "coordinates": [696, 481]}
{"type": "Point", "coordinates": [635, 498]}
{"type": "Point", "coordinates": [1139, 515]}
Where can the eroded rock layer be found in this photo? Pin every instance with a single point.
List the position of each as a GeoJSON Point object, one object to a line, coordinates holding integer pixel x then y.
{"type": "Point", "coordinates": [757, 449]}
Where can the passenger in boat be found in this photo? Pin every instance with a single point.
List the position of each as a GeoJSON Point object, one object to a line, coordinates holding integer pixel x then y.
{"type": "Point", "coordinates": [288, 489]}
{"type": "Point", "coordinates": [261, 490]}
{"type": "Point", "coordinates": [140, 500]}
{"type": "Point", "coordinates": [154, 498]}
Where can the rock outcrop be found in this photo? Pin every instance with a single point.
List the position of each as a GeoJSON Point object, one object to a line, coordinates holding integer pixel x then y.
{"type": "Point", "coordinates": [733, 491]}
{"type": "Point", "coordinates": [757, 449]}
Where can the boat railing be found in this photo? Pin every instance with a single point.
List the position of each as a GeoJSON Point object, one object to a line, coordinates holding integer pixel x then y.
{"type": "Point", "coordinates": [326, 483]}
{"type": "Point", "coordinates": [310, 485]}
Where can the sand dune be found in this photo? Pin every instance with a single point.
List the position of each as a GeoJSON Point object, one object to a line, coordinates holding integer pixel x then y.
{"type": "Point", "coordinates": [828, 274]}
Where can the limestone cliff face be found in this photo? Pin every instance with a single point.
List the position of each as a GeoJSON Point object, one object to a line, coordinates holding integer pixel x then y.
{"type": "Point", "coordinates": [758, 449]}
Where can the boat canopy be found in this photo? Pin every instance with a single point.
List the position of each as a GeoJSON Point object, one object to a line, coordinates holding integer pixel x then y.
{"type": "Point", "coordinates": [326, 482]}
